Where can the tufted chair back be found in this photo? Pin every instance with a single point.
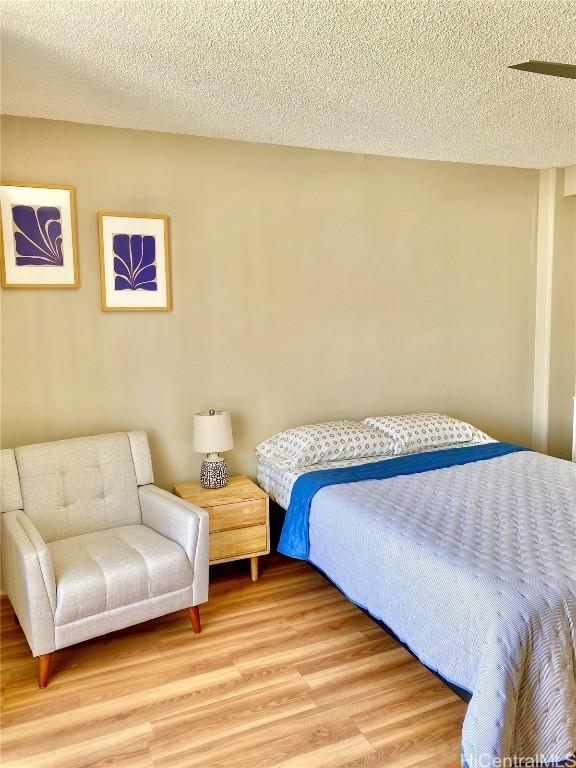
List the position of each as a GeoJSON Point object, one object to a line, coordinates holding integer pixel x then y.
{"type": "Point", "coordinates": [81, 485]}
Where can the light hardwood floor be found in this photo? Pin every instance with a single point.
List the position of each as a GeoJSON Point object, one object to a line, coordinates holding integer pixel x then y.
{"type": "Point", "coordinates": [285, 673]}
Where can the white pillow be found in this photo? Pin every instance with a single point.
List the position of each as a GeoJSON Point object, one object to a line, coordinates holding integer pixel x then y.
{"type": "Point", "coordinates": [329, 441]}
{"type": "Point", "coordinates": [418, 431]}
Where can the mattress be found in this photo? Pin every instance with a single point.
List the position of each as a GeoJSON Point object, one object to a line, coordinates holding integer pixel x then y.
{"type": "Point", "coordinates": [474, 568]}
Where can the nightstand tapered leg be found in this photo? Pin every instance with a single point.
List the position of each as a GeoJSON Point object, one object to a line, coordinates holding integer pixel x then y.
{"type": "Point", "coordinates": [254, 568]}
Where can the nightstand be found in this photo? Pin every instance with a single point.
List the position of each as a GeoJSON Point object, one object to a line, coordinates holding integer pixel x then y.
{"type": "Point", "coordinates": [239, 519]}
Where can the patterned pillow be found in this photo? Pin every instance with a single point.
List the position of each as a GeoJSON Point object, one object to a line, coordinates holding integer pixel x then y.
{"type": "Point", "coordinates": [329, 441]}
{"type": "Point", "coordinates": [418, 431]}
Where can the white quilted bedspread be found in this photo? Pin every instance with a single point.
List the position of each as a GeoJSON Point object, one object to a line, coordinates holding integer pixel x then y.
{"type": "Point", "coordinates": [474, 567]}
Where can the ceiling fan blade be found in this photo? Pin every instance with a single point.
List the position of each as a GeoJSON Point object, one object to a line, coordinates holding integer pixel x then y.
{"type": "Point", "coordinates": [547, 68]}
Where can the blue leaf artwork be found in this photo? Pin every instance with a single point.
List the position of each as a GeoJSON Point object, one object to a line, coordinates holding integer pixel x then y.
{"type": "Point", "coordinates": [134, 262]}
{"type": "Point", "coordinates": [37, 236]}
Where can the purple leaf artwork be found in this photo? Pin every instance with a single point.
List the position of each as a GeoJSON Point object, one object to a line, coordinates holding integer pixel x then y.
{"type": "Point", "coordinates": [37, 236]}
{"type": "Point", "coordinates": [134, 262]}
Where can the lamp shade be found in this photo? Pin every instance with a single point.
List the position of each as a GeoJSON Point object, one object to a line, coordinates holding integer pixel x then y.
{"type": "Point", "coordinates": [213, 432]}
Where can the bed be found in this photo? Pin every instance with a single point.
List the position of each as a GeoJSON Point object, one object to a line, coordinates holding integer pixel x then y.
{"type": "Point", "coordinates": [468, 553]}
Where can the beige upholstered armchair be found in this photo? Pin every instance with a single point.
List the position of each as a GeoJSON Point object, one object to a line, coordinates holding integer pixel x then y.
{"type": "Point", "coordinates": [90, 545]}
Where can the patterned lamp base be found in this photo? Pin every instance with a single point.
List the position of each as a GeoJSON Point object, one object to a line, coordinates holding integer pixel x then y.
{"type": "Point", "coordinates": [214, 474]}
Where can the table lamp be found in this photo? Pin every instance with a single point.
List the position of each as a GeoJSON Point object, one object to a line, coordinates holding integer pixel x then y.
{"type": "Point", "coordinates": [212, 434]}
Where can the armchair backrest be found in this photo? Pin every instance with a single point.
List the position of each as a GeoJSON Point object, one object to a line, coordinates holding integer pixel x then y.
{"type": "Point", "coordinates": [81, 485]}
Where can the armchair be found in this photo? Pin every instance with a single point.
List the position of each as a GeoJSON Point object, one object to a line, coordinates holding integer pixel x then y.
{"type": "Point", "coordinates": [90, 545]}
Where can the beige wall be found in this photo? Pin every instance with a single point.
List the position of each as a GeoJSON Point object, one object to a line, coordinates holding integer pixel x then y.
{"type": "Point", "coordinates": [307, 285]}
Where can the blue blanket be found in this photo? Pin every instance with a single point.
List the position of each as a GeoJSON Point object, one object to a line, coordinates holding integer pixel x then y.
{"type": "Point", "coordinates": [294, 539]}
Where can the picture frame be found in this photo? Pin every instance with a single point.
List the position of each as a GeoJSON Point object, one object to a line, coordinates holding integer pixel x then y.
{"type": "Point", "coordinates": [38, 240]}
{"type": "Point", "coordinates": [134, 262]}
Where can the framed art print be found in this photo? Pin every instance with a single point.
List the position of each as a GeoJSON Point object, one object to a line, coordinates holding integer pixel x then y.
{"type": "Point", "coordinates": [38, 235]}
{"type": "Point", "coordinates": [134, 261]}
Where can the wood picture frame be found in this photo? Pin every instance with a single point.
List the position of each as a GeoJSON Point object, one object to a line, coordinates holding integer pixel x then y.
{"type": "Point", "coordinates": [134, 262]}
{"type": "Point", "coordinates": [38, 235]}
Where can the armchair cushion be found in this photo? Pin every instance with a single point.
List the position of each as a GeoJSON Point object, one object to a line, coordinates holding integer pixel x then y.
{"type": "Point", "coordinates": [103, 570]}
{"type": "Point", "coordinates": [72, 487]}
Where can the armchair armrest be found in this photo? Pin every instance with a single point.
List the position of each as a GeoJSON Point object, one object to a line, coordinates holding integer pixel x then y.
{"type": "Point", "coordinates": [28, 579]}
{"type": "Point", "coordinates": [183, 523]}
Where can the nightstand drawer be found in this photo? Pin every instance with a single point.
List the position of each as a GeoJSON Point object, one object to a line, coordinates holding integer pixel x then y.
{"type": "Point", "coordinates": [239, 515]}
{"type": "Point", "coordinates": [235, 543]}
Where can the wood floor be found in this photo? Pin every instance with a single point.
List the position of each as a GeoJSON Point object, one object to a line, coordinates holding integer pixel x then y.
{"type": "Point", "coordinates": [285, 673]}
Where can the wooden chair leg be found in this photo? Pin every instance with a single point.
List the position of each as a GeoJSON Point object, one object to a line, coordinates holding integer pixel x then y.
{"type": "Point", "coordinates": [194, 614]}
{"type": "Point", "coordinates": [44, 669]}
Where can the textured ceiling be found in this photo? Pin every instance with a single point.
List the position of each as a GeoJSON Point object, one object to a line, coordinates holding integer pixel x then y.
{"type": "Point", "coordinates": [424, 79]}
